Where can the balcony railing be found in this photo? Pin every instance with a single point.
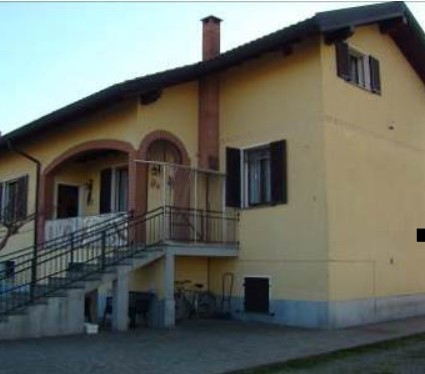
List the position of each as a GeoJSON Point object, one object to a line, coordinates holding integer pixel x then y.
{"type": "Point", "coordinates": [64, 227]}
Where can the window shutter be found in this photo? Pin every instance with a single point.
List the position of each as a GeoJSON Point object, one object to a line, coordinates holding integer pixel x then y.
{"type": "Point", "coordinates": [375, 79]}
{"type": "Point", "coordinates": [256, 295]}
{"type": "Point", "coordinates": [278, 172]}
{"type": "Point", "coordinates": [1, 202]}
{"type": "Point", "coordinates": [21, 208]}
{"type": "Point", "coordinates": [342, 60]}
{"type": "Point", "coordinates": [105, 190]}
{"type": "Point", "coordinates": [233, 177]}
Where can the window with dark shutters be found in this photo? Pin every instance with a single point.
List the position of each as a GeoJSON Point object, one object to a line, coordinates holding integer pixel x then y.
{"type": "Point", "coordinates": [343, 60]}
{"type": "Point", "coordinates": [105, 190]}
{"type": "Point", "coordinates": [278, 172]}
{"type": "Point", "coordinates": [233, 177]}
{"type": "Point", "coordinates": [256, 295]}
{"type": "Point", "coordinates": [14, 199]}
{"type": "Point", "coordinates": [357, 68]}
{"type": "Point", "coordinates": [375, 79]}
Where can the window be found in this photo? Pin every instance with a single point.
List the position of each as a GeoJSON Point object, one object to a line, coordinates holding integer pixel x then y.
{"type": "Point", "coordinates": [113, 190]}
{"type": "Point", "coordinates": [257, 295]}
{"type": "Point", "coordinates": [256, 176]}
{"type": "Point", "coordinates": [358, 68]}
{"type": "Point", "coordinates": [13, 199]}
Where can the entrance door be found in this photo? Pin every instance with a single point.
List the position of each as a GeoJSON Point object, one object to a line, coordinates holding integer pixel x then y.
{"type": "Point", "coordinates": [68, 201]}
{"type": "Point", "coordinates": [161, 178]}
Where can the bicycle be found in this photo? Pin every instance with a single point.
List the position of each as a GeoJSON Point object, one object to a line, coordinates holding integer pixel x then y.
{"type": "Point", "coordinates": [193, 302]}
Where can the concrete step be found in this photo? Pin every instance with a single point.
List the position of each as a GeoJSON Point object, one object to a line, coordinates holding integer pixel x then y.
{"type": "Point", "coordinates": [66, 282]}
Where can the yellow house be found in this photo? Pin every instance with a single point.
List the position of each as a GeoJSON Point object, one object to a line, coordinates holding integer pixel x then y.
{"type": "Point", "coordinates": [285, 177]}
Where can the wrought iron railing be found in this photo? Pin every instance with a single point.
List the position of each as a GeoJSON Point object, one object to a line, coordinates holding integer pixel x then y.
{"type": "Point", "coordinates": [61, 262]}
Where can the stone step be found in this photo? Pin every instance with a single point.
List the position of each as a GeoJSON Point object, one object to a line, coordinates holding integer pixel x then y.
{"type": "Point", "coordinates": [66, 282]}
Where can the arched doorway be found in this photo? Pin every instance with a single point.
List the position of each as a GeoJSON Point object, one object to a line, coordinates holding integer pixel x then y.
{"type": "Point", "coordinates": [162, 189]}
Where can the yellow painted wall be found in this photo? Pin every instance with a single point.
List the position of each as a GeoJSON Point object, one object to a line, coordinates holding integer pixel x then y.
{"type": "Point", "coordinates": [375, 176]}
{"type": "Point", "coordinates": [151, 277]}
{"type": "Point", "coordinates": [264, 100]}
{"type": "Point", "coordinates": [176, 112]}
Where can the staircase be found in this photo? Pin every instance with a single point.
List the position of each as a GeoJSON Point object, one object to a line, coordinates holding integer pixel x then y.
{"type": "Point", "coordinates": [42, 291]}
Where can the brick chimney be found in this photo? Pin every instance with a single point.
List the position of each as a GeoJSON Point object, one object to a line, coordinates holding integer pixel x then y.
{"type": "Point", "coordinates": [210, 37]}
{"type": "Point", "coordinates": [209, 94]}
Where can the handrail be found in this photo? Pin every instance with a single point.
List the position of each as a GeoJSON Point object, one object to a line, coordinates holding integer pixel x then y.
{"type": "Point", "coordinates": [83, 255]}
{"type": "Point", "coordinates": [58, 240]}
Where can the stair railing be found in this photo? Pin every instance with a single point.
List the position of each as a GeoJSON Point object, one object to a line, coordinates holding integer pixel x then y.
{"type": "Point", "coordinates": [79, 257]}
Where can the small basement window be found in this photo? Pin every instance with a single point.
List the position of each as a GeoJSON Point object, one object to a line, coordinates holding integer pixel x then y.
{"type": "Point", "coordinates": [257, 296]}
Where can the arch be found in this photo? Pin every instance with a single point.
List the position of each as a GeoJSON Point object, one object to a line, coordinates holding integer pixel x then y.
{"type": "Point", "coordinates": [157, 135]}
{"type": "Point", "coordinates": [91, 145]}
{"type": "Point", "coordinates": [46, 193]}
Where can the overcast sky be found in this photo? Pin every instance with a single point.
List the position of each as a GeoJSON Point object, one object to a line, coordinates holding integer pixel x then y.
{"type": "Point", "coordinates": [52, 54]}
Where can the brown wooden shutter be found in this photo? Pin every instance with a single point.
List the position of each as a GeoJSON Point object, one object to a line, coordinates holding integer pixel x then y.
{"type": "Point", "coordinates": [105, 190]}
{"type": "Point", "coordinates": [22, 200]}
{"type": "Point", "coordinates": [342, 60]}
{"type": "Point", "coordinates": [375, 79]}
{"type": "Point", "coordinates": [278, 172]}
{"type": "Point", "coordinates": [233, 177]}
{"type": "Point", "coordinates": [257, 295]}
{"type": "Point", "coordinates": [1, 202]}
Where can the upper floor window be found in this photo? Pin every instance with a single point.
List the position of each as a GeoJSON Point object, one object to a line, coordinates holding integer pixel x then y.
{"type": "Point", "coordinates": [358, 68]}
{"type": "Point", "coordinates": [256, 176]}
{"type": "Point", "coordinates": [13, 199]}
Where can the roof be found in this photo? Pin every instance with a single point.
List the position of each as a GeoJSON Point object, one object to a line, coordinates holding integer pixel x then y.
{"type": "Point", "coordinates": [409, 37]}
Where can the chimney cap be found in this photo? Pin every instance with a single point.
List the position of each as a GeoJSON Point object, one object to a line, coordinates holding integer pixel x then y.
{"type": "Point", "coordinates": [211, 18]}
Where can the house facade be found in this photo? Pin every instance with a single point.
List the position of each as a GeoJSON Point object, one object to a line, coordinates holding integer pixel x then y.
{"type": "Point", "coordinates": [288, 172]}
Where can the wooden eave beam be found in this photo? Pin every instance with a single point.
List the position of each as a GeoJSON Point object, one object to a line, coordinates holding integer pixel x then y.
{"type": "Point", "coordinates": [392, 25]}
{"type": "Point", "coordinates": [339, 35]}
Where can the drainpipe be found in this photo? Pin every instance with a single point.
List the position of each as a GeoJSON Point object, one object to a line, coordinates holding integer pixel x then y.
{"type": "Point", "coordinates": [36, 217]}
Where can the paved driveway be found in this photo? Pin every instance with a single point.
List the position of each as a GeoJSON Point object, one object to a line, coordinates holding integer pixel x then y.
{"type": "Point", "coordinates": [195, 347]}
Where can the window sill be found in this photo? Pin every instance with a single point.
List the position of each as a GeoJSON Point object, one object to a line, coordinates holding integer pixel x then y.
{"type": "Point", "coordinates": [262, 206]}
{"type": "Point", "coordinates": [354, 84]}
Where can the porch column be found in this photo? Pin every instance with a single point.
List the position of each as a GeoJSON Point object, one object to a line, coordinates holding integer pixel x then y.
{"type": "Point", "coordinates": [120, 301]}
{"type": "Point", "coordinates": [45, 204]}
{"type": "Point", "coordinates": [169, 303]}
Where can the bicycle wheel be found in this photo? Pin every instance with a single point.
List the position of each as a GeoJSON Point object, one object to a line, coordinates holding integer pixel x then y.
{"type": "Point", "coordinates": [206, 304]}
{"type": "Point", "coordinates": [181, 308]}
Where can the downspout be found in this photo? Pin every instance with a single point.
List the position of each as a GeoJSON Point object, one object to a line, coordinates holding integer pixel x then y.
{"type": "Point", "coordinates": [36, 217]}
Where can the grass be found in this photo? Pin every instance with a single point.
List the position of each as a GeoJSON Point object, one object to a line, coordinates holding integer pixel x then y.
{"type": "Point", "coordinates": [317, 361]}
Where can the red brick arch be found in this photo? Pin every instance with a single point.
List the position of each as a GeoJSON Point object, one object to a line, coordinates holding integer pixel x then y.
{"type": "Point", "coordinates": [93, 145]}
{"type": "Point", "coordinates": [142, 177]}
{"type": "Point", "coordinates": [163, 135]}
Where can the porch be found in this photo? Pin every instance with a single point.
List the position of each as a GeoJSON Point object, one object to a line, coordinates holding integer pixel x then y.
{"type": "Point", "coordinates": [101, 187]}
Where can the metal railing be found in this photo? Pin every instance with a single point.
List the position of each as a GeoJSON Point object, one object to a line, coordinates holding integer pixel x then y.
{"type": "Point", "coordinates": [64, 261]}
{"type": "Point", "coordinates": [203, 226]}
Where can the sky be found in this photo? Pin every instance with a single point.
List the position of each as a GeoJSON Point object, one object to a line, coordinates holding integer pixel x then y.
{"type": "Point", "coordinates": [52, 54]}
